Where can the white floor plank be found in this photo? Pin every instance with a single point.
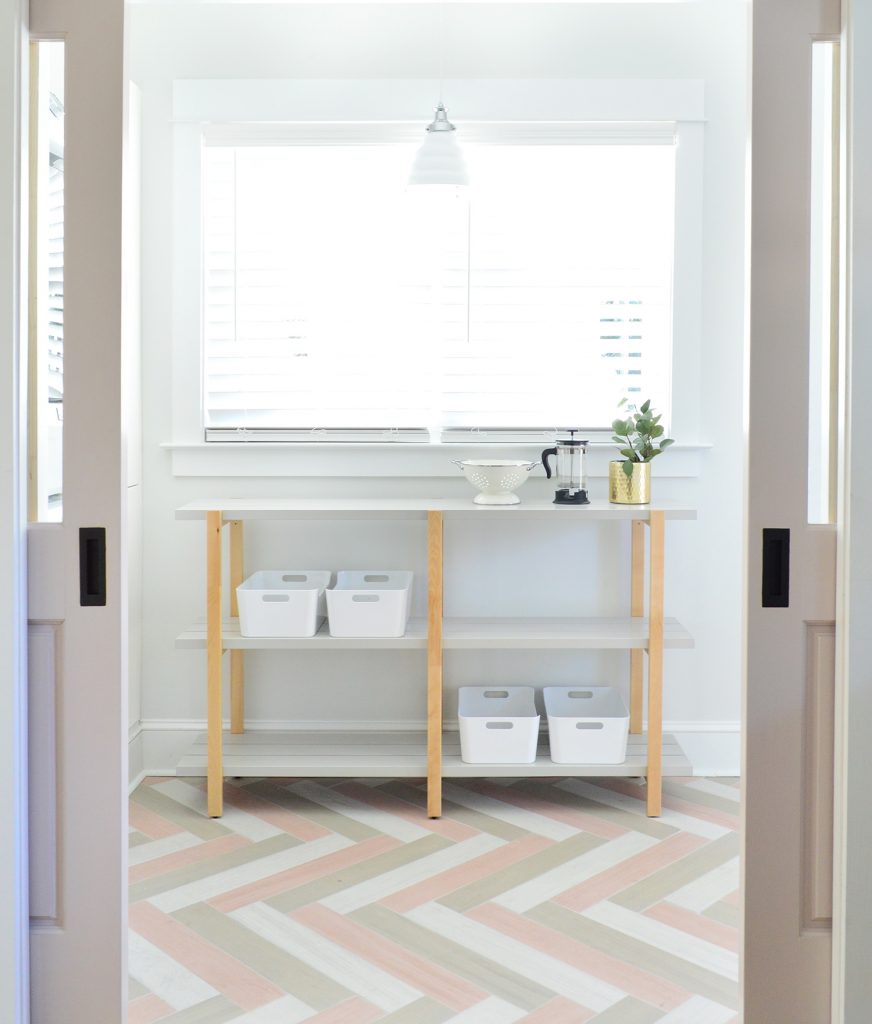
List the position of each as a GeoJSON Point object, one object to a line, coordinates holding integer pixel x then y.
{"type": "Point", "coordinates": [530, 963]}
{"type": "Point", "coordinates": [714, 788]}
{"type": "Point", "coordinates": [551, 883]}
{"type": "Point", "coordinates": [490, 1011]}
{"type": "Point", "coordinates": [529, 820]}
{"type": "Point", "coordinates": [374, 889]}
{"type": "Point", "coordinates": [252, 871]}
{"type": "Point", "coordinates": [390, 824]}
{"type": "Point", "coordinates": [661, 936]}
{"type": "Point", "coordinates": [328, 957]}
{"type": "Point", "coordinates": [286, 1010]}
{"type": "Point", "coordinates": [684, 822]}
{"type": "Point", "coordinates": [698, 1010]}
{"type": "Point", "coordinates": [702, 892]}
{"type": "Point", "coordinates": [163, 976]}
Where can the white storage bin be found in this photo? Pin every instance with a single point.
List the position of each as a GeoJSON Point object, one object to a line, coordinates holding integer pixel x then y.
{"type": "Point", "coordinates": [498, 724]}
{"type": "Point", "coordinates": [374, 602]}
{"type": "Point", "coordinates": [586, 725]}
{"type": "Point", "coordinates": [283, 602]}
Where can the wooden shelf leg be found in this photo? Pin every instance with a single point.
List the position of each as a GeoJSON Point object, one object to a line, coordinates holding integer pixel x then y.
{"type": "Point", "coordinates": [434, 664]}
{"type": "Point", "coordinates": [237, 662]}
{"type": "Point", "coordinates": [655, 666]}
{"type": "Point", "coordinates": [214, 651]}
{"type": "Point", "coordinates": [637, 610]}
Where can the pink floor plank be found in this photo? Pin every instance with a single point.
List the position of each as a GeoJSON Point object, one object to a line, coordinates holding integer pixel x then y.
{"type": "Point", "coordinates": [352, 1011]}
{"type": "Point", "coordinates": [147, 1009]}
{"type": "Point", "coordinates": [568, 815]}
{"type": "Point", "coordinates": [293, 877]}
{"type": "Point", "coordinates": [181, 858]}
{"type": "Point", "coordinates": [151, 824]}
{"type": "Point", "coordinates": [454, 878]}
{"type": "Point", "coordinates": [427, 977]}
{"type": "Point", "coordinates": [455, 830]}
{"type": "Point", "coordinates": [632, 870]}
{"type": "Point", "coordinates": [559, 1011]}
{"type": "Point", "coordinates": [235, 980]}
{"type": "Point", "coordinates": [695, 924]}
{"type": "Point", "coordinates": [631, 979]}
{"type": "Point", "coordinates": [675, 803]}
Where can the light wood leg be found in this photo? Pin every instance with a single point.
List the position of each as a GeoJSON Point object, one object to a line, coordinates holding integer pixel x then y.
{"type": "Point", "coordinates": [237, 662]}
{"type": "Point", "coordinates": [637, 610]}
{"type": "Point", "coordinates": [214, 651]}
{"type": "Point", "coordinates": [655, 666]}
{"type": "Point", "coordinates": [434, 664]}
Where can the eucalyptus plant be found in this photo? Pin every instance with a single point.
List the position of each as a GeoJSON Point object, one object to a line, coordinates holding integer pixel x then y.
{"type": "Point", "coordinates": [639, 436]}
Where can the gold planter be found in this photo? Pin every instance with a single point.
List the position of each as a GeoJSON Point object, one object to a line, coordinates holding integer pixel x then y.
{"type": "Point", "coordinates": [630, 490]}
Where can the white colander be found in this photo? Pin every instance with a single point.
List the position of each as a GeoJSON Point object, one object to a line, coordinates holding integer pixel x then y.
{"type": "Point", "coordinates": [495, 479]}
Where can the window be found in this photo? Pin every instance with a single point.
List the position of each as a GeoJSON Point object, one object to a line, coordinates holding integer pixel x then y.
{"type": "Point", "coordinates": [337, 300]}
{"type": "Point", "coordinates": [46, 284]}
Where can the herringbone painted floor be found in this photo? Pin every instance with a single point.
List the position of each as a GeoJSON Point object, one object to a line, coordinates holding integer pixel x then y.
{"type": "Point", "coordinates": [338, 902]}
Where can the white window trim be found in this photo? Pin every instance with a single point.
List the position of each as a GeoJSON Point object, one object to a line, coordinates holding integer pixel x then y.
{"type": "Point", "coordinates": [202, 105]}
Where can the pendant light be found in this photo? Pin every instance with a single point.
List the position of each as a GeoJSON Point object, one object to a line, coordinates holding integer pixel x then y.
{"type": "Point", "coordinates": [439, 161]}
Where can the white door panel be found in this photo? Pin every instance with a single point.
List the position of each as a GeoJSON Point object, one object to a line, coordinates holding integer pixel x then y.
{"type": "Point", "coordinates": [786, 961]}
{"type": "Point", "coordinates": [78, 958]}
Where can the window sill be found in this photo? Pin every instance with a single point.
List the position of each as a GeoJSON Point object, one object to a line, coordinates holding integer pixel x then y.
{"type": "Point", "coordinates": [319, 459]}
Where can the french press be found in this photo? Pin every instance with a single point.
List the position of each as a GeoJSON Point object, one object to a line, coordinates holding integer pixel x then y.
{"type": "Point", "coordinates": [571, 478]}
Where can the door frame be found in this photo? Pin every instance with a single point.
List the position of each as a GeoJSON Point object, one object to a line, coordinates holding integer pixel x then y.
{"type": "Point", "coordinates": [14, 917]}
{"type": "Point", "coordinates": [852, 981]}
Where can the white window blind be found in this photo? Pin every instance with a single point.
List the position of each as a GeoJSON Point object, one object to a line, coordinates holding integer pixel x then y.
{"type": "Point", "coordinates": [339, 304]}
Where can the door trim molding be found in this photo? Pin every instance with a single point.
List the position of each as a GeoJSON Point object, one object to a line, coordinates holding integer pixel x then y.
{"type": "Point", "coordinates": [14, 907]}
{"type": "Point", "coordinates": [852, 982]}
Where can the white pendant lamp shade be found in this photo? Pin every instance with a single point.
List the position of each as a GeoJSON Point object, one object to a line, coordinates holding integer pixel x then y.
{"type": "Point", "coordinates": [439, 161]}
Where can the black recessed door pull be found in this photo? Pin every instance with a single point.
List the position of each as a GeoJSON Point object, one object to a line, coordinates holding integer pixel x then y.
{"type": "Point", "coordinates": [92, 566]}
{"type": "Point", "coordinates": [776, 568]}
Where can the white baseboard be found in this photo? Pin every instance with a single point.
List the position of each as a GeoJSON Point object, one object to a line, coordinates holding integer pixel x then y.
{"type": "Point", "coordinates": [157, 744]}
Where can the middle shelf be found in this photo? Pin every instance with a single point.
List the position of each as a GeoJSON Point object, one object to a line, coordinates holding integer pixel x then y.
{"type": "Point", "coordinates": [614, 633]}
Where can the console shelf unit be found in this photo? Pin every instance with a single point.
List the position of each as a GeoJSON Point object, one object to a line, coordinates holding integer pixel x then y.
{"type": "Point", "coordinates": [415, 753]}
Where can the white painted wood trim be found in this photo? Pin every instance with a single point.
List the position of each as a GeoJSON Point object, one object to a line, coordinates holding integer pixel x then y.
{"type": "Point", "coordinates": [14, 945]}
{"type": "Point", "coordinates": [852, 901]}
{"type": "Point", "coordinates": [199, 103]}
{"type": "Point", "coordinates": [393, 99]}
{"type": "Point", "coordinates": [399, 459]}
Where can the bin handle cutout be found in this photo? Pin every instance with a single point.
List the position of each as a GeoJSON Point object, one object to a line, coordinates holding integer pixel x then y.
{"type": "Point", "coordinates": [499, 725]}
{"type": "Point", "coordinates": [294, 578]}
{"type": "Point", "coordinates": [365, 597]}
{"type": "Point", "coordinates": [584, 694]}
{"type": "Point", "coordinates": [275, 597]}
{"type": "Point", "coordinates": [589, 725]}
{"type": "Point", "coordinates": [376, 578]}
{"type": "Point", "coordinates": [496, 693]}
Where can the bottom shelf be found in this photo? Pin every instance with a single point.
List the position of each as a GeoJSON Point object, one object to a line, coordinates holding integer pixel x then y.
{"type": "Point", "coordinates": [397, 754]}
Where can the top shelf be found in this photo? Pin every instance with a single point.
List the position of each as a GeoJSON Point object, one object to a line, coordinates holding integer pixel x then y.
{"type": "Point", "coordinates": [414, 508]}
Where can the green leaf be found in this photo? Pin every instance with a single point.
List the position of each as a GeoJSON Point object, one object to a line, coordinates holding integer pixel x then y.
{"type": "Point", "coordinates": [622, 402]}
{"type": "Point", "coordinates": [657, 431]}
{"type": "Point", "coordinates": [666, 442]}
{"type": "Point", "coordinates": [628, 453]}
{"type": "Point", "coordinates": [627, 467]}
{"type": "Point", "coordinates": [646, 405]}
{"type": "Point", "coordinates": [618, 426]}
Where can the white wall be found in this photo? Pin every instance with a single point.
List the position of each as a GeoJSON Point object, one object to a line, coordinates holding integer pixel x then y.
{"type": "Point", "coordinates": [507, 569]}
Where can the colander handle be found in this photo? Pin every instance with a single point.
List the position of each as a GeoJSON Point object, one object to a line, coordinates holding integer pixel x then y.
{"type": "Point", "coordinates": [532, 466]}
{"type": "Point", "coordinates": [458, 463]}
